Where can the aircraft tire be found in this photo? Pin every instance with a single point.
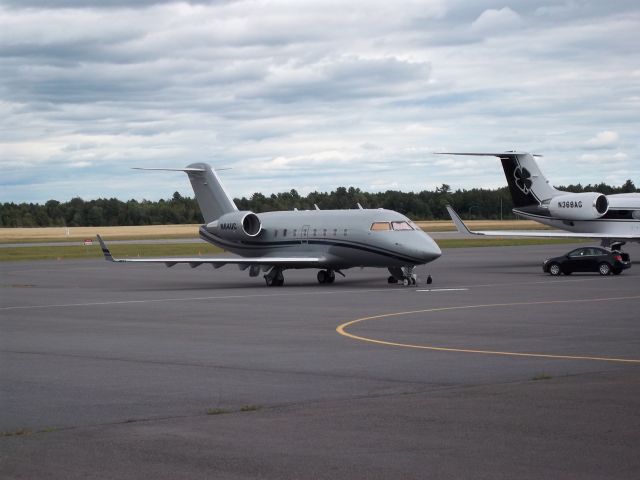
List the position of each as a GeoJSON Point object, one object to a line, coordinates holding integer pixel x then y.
{"type": "Point", "coordinates": [322, 276]}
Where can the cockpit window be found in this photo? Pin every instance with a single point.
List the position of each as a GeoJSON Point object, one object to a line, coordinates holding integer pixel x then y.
{"type": "Point", "coordinates": [380, 226]}
{"type": "Point", "coordinates": [401, 226]}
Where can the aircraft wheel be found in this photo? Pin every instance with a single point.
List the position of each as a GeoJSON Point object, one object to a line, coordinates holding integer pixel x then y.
{"type": "Point", "coordinates": [604, 268]}
{"type": "Point", "coordinates": [405, 282]}
{"type": "Point", "coordinates": [331, 277]}
{"type": "Point", "coordinates": [279, 282]}
{"type": "Point", "coordinates": [268, 280]}
{"type": "Point", "coordinates": [392, 279]}
{"type": "Point", "coordinates": [322, 276]}
{"type": "Point", "coordinates": [429, 280]}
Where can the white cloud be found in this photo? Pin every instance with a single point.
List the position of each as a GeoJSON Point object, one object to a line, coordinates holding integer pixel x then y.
{"type": "Point", "coordinates": [605, 139]}
{"type": "Point", "coordinates": [497, 21]}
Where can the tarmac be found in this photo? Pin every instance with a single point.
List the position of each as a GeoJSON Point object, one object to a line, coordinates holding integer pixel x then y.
{"type": "Point", "coordinates": [495, 370]}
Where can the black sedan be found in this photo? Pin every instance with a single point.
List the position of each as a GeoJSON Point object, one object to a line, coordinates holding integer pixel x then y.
{"type": "Point", "coordinates": [588, 259]}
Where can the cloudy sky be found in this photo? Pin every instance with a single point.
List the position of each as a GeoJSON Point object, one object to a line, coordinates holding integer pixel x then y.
{"type": "Point", "coordinates": [312, 95]}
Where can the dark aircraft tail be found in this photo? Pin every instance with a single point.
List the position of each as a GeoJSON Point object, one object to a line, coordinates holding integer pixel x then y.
{"type": "Point", "coordinates": [527, 185]}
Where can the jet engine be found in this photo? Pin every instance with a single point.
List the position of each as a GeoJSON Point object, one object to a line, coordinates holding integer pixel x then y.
{"type": "Point", "coordinates": [579, 206]}
{"type": "Point", "coordinates": [236, 226]}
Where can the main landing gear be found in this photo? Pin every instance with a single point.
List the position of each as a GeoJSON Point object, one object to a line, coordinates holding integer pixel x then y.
{"type": "Point", "coordinates": [326, 276]}
{"type": "Point", "coordinates": [274, 278]}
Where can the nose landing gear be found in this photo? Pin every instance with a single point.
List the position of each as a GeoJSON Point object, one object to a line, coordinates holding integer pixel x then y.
{"type": "Point", "coordinates": [405, 275]}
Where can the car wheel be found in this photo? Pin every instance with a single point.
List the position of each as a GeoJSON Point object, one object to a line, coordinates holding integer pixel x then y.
{"type": "Point", "coordinates": [554, 269]}
{"type": "Point", "coordinates": [604, 268]}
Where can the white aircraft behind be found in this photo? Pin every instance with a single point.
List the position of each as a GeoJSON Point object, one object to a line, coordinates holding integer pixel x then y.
{"type": "Point", "coordinates": [328, 240]}
{"type": "Point", "coordinates": [610, 218]}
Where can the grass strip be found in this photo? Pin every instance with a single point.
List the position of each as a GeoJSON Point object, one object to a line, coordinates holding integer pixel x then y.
{"type": "Point", "coordinates": [118, 251]}
{"type": "Point", "coordinates": [203, 249]}
{"type": "Point", "coordinates": [503, 242]}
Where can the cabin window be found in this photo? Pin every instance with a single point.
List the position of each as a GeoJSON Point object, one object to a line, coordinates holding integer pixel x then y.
{"type": "Point", "coordinates": [275, 233]}
{"type": "Point", "coordinates": [335, 232]}
{"type": "Point", "coordinates": [324, 232]}
{"type": "Point", "coordinates": [379, 226]}
{"type": "Point", "coordinates": [401, 226]}
{"type": "Point", "coordinates": [345, 232]}
{"type": "Point", "coordinates": [315, 232]}
{"type": "Point", "coordinates": [284, 232]}
{"type": "Point", "coordinates": [295, 232]}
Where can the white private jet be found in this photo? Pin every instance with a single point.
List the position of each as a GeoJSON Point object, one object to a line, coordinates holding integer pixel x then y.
{"type": "Point", "coordinates": [610, 218]}
{"type": "Point", "coordinates": [327, 240]}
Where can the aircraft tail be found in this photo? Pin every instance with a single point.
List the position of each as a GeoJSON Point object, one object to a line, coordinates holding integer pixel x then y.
{"type": "Point", "coordinates": [527, 185]}
{"type": "Point", "coordinates": [211, 196]}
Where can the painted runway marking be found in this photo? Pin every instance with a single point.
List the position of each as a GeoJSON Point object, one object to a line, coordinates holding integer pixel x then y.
{"type": "Point", "coordinates": [443, 290]}
{"type": "Point", "coordinates": [264, 295]}
{"type": "Point", "coordinates": [341, 329]}
{"type": "Point", "coordinates": [189, 299]}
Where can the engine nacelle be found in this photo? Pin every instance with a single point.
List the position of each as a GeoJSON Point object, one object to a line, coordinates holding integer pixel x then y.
{"type": "Point", "coordinates": [579, 206]}
{"type": "Point", "coordinates": [236, 226]}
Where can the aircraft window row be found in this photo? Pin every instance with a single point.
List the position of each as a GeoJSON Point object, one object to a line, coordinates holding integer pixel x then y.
{"type": "Point", "coordinates": [315, 232]}
{"type": "Point", "coordinates": [383, 226]}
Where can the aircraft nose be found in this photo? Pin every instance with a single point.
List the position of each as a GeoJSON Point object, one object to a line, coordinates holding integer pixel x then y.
{"type": "Point", "coordinates": [432, 251]}
{"type": "Point", "coordinates": [427, 249]}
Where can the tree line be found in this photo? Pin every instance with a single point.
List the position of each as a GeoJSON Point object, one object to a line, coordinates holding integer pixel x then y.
{"type": "Point", "coordinates": [476, 204]}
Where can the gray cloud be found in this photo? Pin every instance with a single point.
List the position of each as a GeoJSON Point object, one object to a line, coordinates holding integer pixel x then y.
{"type": "Point", "coordinates": [284, 93]}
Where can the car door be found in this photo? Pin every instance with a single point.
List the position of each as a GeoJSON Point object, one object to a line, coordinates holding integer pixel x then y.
{"type": "Point", "coordinates": [596, 257]}
{"type": "Point", "coordinates": [578, 260]}
{"type": "Point", "coordinates": [592, 259]}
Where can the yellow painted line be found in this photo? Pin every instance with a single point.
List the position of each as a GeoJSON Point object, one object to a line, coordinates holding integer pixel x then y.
{"type": "Point", "coordinates": [341, 329]}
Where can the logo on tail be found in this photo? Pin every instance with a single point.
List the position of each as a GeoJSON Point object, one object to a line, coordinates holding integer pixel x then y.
{"type": "Point", "coordinates": [523, 179]}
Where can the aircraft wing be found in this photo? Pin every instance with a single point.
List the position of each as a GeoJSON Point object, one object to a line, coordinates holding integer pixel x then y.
{"type": "Point", "coordinates": [217, 262]}
{"type": "Point", "coordinates": [463, 229]}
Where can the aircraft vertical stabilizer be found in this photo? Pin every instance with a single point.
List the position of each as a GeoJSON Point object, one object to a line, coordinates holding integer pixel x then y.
{"type": "Point", "coordinates": [211, 196]}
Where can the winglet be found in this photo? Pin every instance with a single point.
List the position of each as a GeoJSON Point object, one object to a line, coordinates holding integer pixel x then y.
{"type": "Point", "coordinates": [107, 254]}
{"type": "Point", "coordinates": [460, 225]}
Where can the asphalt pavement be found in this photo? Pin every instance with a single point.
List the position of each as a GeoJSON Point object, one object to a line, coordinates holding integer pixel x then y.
{"type": "Point", "coordinates": [495, 370]}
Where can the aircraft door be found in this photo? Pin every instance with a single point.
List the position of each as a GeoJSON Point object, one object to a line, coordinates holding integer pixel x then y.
{"type": "Point", "coordinates": [304, 234]}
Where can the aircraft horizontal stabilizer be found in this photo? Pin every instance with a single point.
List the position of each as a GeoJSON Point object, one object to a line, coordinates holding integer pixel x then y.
{"type": "Point", "coordinates": [170, 169]}
{"type": "Point", "coordinates": [488, 154]}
